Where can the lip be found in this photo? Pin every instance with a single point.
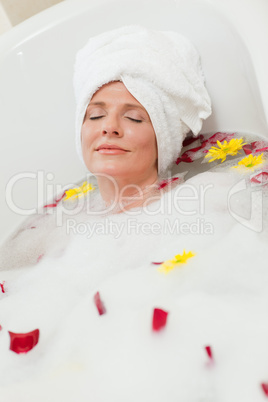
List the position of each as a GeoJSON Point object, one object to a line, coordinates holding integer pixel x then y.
{"type": "Point", "coordinates": [110, 147]}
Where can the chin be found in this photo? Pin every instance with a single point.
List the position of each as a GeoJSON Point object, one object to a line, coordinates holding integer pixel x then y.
{"type": "Point", "coordinates": [110, 170]}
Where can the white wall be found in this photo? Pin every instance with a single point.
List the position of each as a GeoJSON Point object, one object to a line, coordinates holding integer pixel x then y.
{"type": "Point", "coordinates": [243, 13]}
{"type": "Point", "coordinates": [5, 23]}
{"type": "Point", "coordinates": [12, 12]}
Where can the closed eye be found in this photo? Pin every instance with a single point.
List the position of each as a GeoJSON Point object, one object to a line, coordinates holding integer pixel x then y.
{"type": "Point", "coordinates": [99, 117]}
{"type": "Point", "coordinates": [95, 118]}
{"type": "Point", "coordinates": [137, 121]}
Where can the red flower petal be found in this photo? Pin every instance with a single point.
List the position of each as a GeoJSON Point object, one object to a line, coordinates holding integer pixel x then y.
{"type": "Point", "coordinates": [159, 319]}
{"type": "Point", "coordinates": [157, 263]}
{"type": "Point", "coordinates": [184, 158]}
{"type": "Point", "coordinates": [99, 304]}
{"type": "Point", "coordinates": [209, 352]}
{"type": "Point", "coordinates": [61, 197]}
{"type": "Point", "coordinates": [23, 343]}
{"type": "Point", "coordinates": [218, 137]}
{"type": "Point", "coordinates": [189, 155]}
{"type": "Point", "coordinates": [249, 148]}
{"type": "Point", "coordinates": [2, 287]}
{"type": "Point", "coordinates": [164, 183]}
{"type": "Point", "coordinates": [265, 388]}
{"type": "Point", "coordinates": [262, 149]}
{"type": "Point", "coordinates": [189, 141]}
{"type": "Point", "coordinates": [50, 206]}
{"type": "Point", "coordinates": [260, 178]}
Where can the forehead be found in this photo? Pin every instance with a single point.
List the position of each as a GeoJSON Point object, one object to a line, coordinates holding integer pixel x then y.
{"type": "Point", "coordinates": [112, 87]}
{"type": "Point", "coordinates": [115, 93]}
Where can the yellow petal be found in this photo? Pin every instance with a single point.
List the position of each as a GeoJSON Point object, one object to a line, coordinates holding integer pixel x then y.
{"type": "Point", "coordinates": [79, 191]}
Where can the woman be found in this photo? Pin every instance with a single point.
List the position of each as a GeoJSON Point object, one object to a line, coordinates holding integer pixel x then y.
{"type": "Point", "coordinates": [154, 275]}
{"type": "Point", "coordinates": [119, 141]}
{"type": "Point", "coordinates": [167, 104]}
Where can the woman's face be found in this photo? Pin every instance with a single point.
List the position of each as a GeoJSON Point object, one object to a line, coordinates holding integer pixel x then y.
{"type": "Point", "coordinates": [118, 138]}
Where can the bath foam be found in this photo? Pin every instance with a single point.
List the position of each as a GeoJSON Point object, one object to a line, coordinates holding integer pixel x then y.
{"type": "Point", "coordinates": [218, 298]}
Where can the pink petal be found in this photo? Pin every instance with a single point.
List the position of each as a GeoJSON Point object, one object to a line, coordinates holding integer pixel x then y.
{"type": "Point", "coordinates": [39, 257]}
{"type": "Point", "coordinates": [159, 319]}
{"type": "Point", "coordinates": [2, 287]}
{"type": "Point", "coordinates": [265, 388]}
{"type": "Point", "coordinates": [23, 343]}
{"type": "Point", "coordinates": [209, 352]}
{"type": "Point", "coordinates": [99, 304]}
{"type": "Point", "coordinates": [1, 327]}
{"type": "Point", "coordinates": [157, 263]}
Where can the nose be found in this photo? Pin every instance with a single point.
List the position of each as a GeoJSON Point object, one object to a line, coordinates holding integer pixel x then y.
{"type": "Point", "coordinates": [111, 126]}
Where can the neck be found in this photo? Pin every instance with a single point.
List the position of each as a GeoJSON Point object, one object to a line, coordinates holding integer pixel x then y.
{"type": "Point", "coordinates": [123, 194]}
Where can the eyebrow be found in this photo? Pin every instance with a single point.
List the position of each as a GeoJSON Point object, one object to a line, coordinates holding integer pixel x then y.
{"type": "Point", "coordinates": [126, 104]}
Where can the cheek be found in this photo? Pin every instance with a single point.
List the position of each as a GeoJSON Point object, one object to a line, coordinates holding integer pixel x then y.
{"type": "Point", "coordinates": [87, 137]}
{"type": "Point", "coordinates": [148, 145]}
{"type": "Point", "coordinates": [86, 144]}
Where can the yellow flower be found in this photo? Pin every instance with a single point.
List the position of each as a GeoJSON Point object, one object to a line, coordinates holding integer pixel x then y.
{"type": "Point", "coordinates": [227, 148]}
{"type": "Point", "coordinates": [168, 265]}
{"type": "Point", "coordinates": [79, 191]}
{"type": "Point", "coordinates": [250, 162]}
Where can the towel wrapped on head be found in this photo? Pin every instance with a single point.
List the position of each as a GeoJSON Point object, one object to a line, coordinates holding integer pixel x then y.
{"type": "Point", "coordinates": [161, 69]}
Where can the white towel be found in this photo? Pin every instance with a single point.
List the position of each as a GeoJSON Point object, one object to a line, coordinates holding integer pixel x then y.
{"type": "Point", "coordinates": [161, 69]}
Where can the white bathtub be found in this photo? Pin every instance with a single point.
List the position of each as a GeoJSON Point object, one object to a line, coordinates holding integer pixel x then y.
{"type": "Point", "coordinates": [37, 102]}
